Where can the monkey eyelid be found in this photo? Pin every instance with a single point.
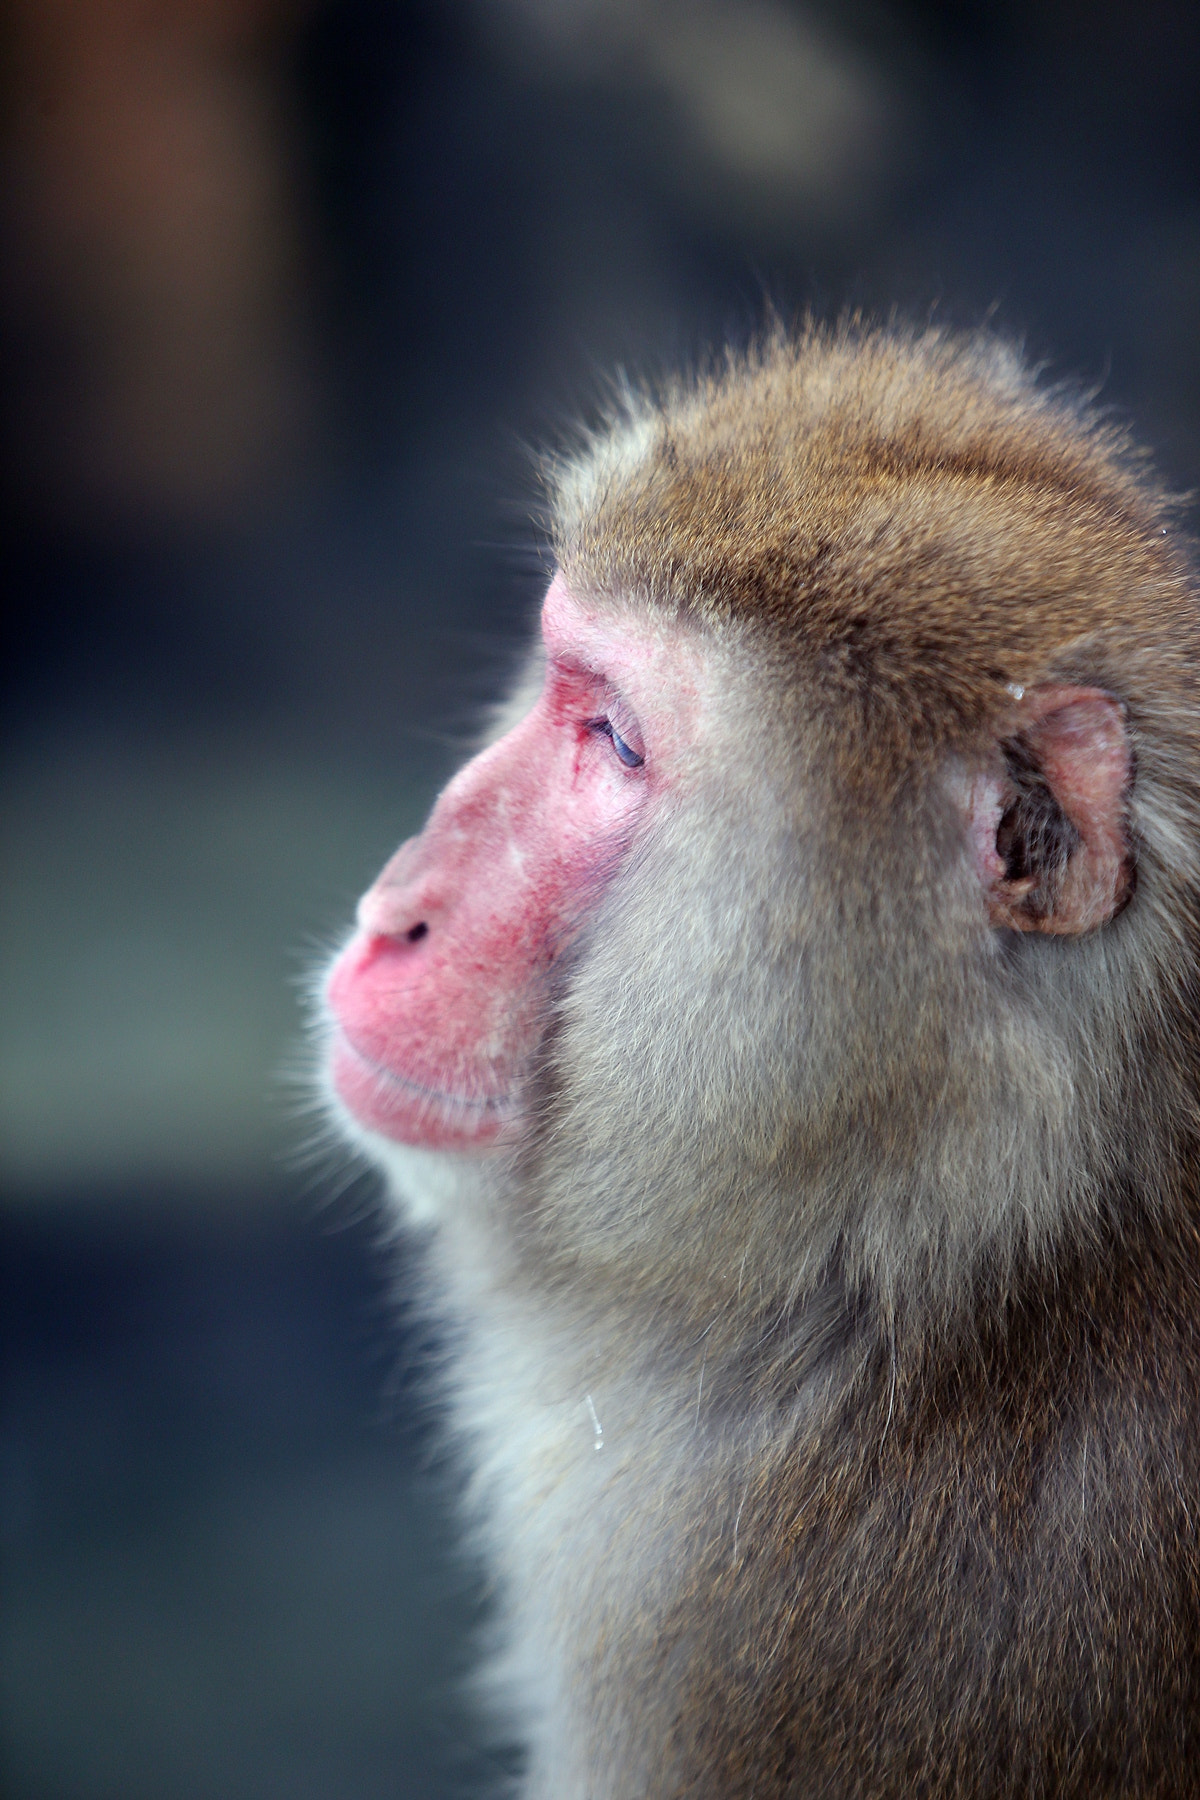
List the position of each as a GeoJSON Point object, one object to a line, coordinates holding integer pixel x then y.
{"type": "Point", "coordinates": [607, 711]}
{"type": "Point", "coordinates": [626, 754]}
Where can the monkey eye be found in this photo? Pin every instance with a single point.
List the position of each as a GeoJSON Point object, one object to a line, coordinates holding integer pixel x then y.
{"type": "Point", "coordinates": [626, 752]}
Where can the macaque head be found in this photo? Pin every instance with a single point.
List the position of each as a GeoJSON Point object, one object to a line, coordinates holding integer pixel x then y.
{"type": "Point", "coordinates": [840, 858]}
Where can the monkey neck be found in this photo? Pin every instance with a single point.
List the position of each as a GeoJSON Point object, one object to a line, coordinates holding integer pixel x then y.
{"type": "Point", "coordinates": [823, 1321]}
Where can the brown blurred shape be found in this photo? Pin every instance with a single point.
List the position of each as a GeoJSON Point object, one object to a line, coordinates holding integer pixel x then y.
{"type": "Point", "coordinates": [153, 255]}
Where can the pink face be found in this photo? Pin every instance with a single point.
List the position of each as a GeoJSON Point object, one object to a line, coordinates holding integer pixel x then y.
{"type": "Point", "coordinates": [439, 999]}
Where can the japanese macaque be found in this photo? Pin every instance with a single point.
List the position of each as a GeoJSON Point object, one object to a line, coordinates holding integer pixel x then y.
{"type": "Point", "coordinates": [787, 1028]}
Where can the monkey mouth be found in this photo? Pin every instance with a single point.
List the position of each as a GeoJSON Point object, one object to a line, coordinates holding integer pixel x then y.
{"type": "Point", "coordinates": [410, 1110]}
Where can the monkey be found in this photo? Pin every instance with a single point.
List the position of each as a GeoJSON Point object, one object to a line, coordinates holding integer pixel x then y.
{"type": "Point", "coordinates": [784, 1036]}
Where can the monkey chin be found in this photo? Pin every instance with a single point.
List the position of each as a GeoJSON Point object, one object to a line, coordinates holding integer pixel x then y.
{"type": "Point", "coordinates": [422, 1114]}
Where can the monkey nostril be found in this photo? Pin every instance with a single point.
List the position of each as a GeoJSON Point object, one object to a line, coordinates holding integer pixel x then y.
{"type": "Point", "coordinates": [417, 932]}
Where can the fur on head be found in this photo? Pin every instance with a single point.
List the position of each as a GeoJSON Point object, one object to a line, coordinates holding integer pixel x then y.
{"type": "Point", "coordinates": [797, 1042]}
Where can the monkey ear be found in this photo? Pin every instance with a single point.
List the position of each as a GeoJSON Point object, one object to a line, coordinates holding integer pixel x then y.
{"type": "Point", "coordinates": [1050, 832]}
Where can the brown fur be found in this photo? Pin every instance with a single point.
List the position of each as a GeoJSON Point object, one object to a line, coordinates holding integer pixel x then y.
{"type": "Point", "coordinates": [978, 1578]}
{"type": "Point", "coordinates": [869, 1233]}
{"type": "Point", "coordinates": [911, 516]}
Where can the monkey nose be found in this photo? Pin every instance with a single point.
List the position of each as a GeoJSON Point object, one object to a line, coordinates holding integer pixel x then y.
{"type": "Point", "coordinates": [393, 912]}
{"type": "Point", "coordinates": [399, 903]}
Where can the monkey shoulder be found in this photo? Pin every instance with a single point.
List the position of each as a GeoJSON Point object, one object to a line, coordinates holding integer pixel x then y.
{"type": "Point", "coordinates": [1024, 1509]}
{"type": "Point", "coordinates": [1021, 1505]}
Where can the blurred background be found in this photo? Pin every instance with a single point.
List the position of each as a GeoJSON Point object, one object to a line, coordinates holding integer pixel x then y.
{"type": "Point", "coordinates": [290, 288]}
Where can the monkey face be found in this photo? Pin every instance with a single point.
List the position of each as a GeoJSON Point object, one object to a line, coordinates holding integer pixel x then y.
{"type": "Point", "coordinates": [440, 998]}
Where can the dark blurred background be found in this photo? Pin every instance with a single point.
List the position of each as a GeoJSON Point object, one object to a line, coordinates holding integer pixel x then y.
{"type": "Point", "coordinates": [290, 288]}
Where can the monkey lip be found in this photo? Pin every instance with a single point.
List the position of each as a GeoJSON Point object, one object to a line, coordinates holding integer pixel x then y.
{"type": "Point", "coordinates": [411, 1111]}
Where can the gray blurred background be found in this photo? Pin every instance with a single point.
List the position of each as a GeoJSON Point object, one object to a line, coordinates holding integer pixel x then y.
{"type": "Point", "coordinates": [290, 288]}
